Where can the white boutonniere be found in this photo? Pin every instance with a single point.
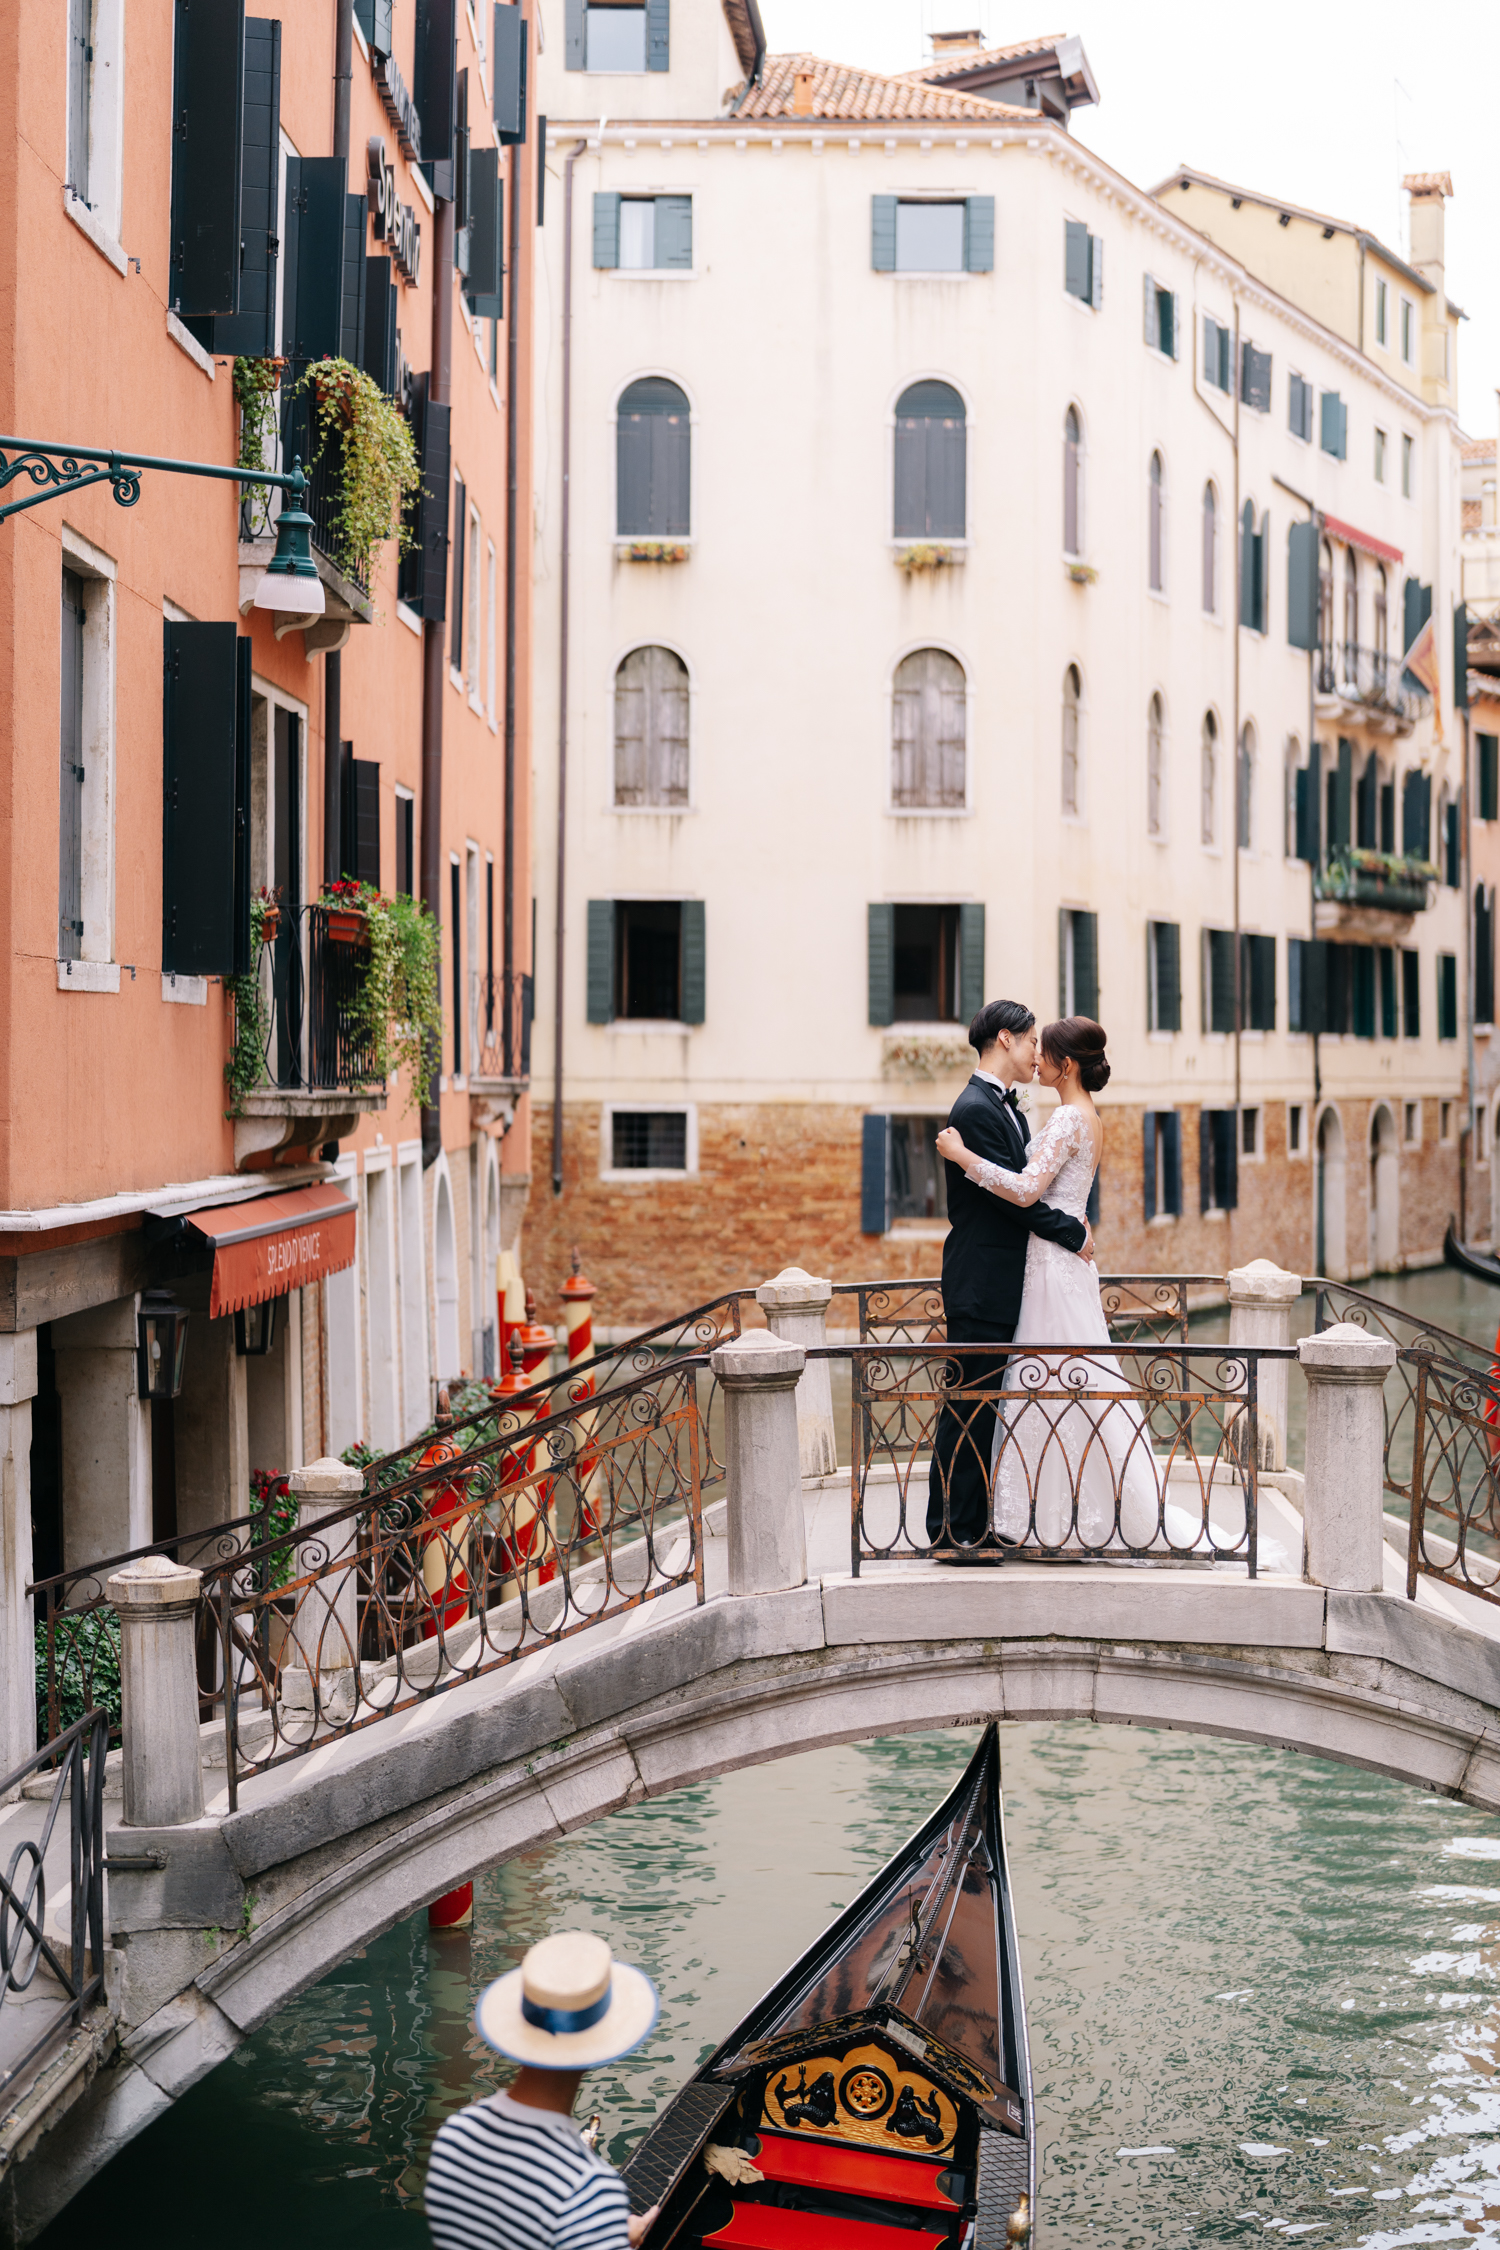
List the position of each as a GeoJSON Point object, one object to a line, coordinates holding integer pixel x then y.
{"type": "Point", "coordinates": [1023, 1100]}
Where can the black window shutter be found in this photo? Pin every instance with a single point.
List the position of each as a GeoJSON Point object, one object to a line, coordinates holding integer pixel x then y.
{"type": "Point", "coordinates": [352, 320]}
{"type": "Point", "coordinates": [1363, 963]}
{"type": "Point", "coordinates": [1226, 1159]}
{"type": "Point", "coordinates": [874, 1171]}
{"type": "Point", "coordinates": [1489, 776]}
{"type": "Point", "coordinates": [1086, 965]}
{"type": "Point", "coordinates": [606, 229]}
{"type": "Point", "coordinates": [208, 91]}
{"type": "Point", "coordinates": [970, 961]}
{"type": "Point", "coordinates": [1411, 993]}
{"type": "Point", "coordinates": [313, 271]}
{"type": "Point", "coordinates": [243, 660]}
{"type": "Point", "coordinates": [200, 776]}
{"type": "Point", "coordinates": [1205, 1159]}
{"type": "Point", "coordinates": [883, 233]}
{"type": "Point", "coordinates": [374, 20]}
{"type": "Point", "coordinates": [1453, 871]}
{"type": "Point", "coordinates": [1064, 940]}
{"type": "Point", "coordinates": [70, 776]}
{"type": "Point", "coordinates": [435, 90]}
{"type": "Point", "coordinates": [601, 960]}
{"type": "Point", "coordinates": [1148, 1163]}
{"type": "Point", "coordinates": [979, 234]}
{"type": "Point", "coordinates": [1484, 954]}
{"type": "Point", "coordinates": [1171, 1131]}
{"type": "Point", "coordinates": [1168, 977]}
{"type": "Point", "coordinates": [658, 34]}
{"type": "Point", "coordinates": [881, 964]}
{"type": "Point", "coordinates": [1461, 657]}
{"type": "Point", "coordinates": [694, 961]}
{"type": "Point", "coordinates": [508, 61]}
{"type": "Point", "coordinates": [431, 556]}
{"type": "Point", "coordinates": [1387, 992]}
{"type": "Point", "coordinates": [379, 360]}
{"type": "Point", "coordinates": [252, 330]}
{"type": "Point", "coordinates": [365, 857]}
{"type": "Point", "coordinates": [1296, 951]}
{"type": "Point", "coordinates": [573, 55]}
{"type": "Point", "coordinates": [460, 548]}
{"type": "Point", "coordinates": [486, 231]}
{"type": "Point", "coordinates": [1343, 791]}
{"type": "Point", "coordinates": [1315, 985]}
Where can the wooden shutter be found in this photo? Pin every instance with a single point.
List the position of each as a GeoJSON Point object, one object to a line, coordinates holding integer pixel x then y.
{"type": "Point", "coordinates": [658, 34]}
{"type": "Point", "coordinates": [1175, 306]}
{"type": "Point", "coordinates": [929, 731]}
{"type": "Point", "coordinates": [460, 550]}
{"type": "Point", "coordinates": [674, 232]}
{"type": "Point", "coordinates": [573, 54]}
{"type": "Point", "coordinates": [1489, 776]}
{"type": "Point", "coordinates": [1296, 1019]}
{"type": "Point", "coordinates": [1262, 984]}
{"type": "Point", "coordinates": [1387, 992]}
{"type": "Point", "coordinates": [1170, 1128]}
{"type": "Point", "coordinates": [1302, 585]}
{"type": "Point", "coordinates": [970, 961]}
{"type": "Point", "coordinates": [80, 73]}
{"type": "Point", "coordinates": [200, 776]}
{"type": "Point", "coordinates": [1416, 814]}
{"type": "Point", "coordinates": [1363, 980]}
{"type": "Point", "coordinates": [1226, 1159]}
{"type": "Point", "coordinates": [1148, 1164]}
{"type": "Point", "coordinates": [632, 785]}
{"type": "Point", "coordinates": [435, 90]}
{"type": "Point", "coordinates": [1411, 993]}
{"type": "Point", "coordinates": [364, 774]}
{"type": "Point", "coordinates": [1315, 985]}
{"type": "Point", "coordinates": [651, 729]}
{"type": "Point", "coordinates": [1341, 794]}
{"type": "Point", "coordinates": [671, 462]}
{"type": "Point", "coordinates": [601, 960]}
{"type": "Point", "coordinates": [883, 233]}
{"type": "Point", "coordinates": [694, 966]}
{"type": "Point", "coordinates": [485, 284]}
{"type": "Point", "coordinates": [1168, 977]}
{"type": "Point", "coordinates": [606, 230]}
{"type": "Point", "coordinates": [1096, 271]}
{"type": "Point", "coordinates": [1247, 564]}
{"type": "Point", "coordinates": [1086, 965]}
{"type": "Point", "coordinates": [1447, 996]}
{"type": "Point", "coordinates": [379, 358]}
{"type": "Point", "coordinates": [1076, 259]}
{"type": "Point", "coordinates": [947, 476]}
{"type": "Point", "coordinates": [509, 64]}
{"type": "Point", "coordinates": [208, 91]}
{"type": "Point", "coordinates": [1153, 335]}
{"type": "Point", "coordinates": [424, 572]}
{"type": "Point", "coordinates": [874, 1175]}
{"type": "Point", "coordinates": [252, 330]}
{"type": "Point", "coordinates": [1219, 983]}
{"type": "Point", "coordinates": [1205, 1160]}
{"type": "Point", "coordinates": [70, 776]}
{"type": "Point", "coordinates": [881, 963]}
{"type": "Point", "coordinates": [352, 294]}
{"type": "Point", "coordinates": [1255, 390]}
{"type": "Point", "coordinates": [910, 480]}
{"type": "Point", "coordinates": [1333, 435]}
{"type": "Point", "coordinates": [1484, 954]}
{"type": "Point", "coordinates": [374, 20]}
{"type": "Point", "coordinates": [313, 277]}
{"type": "Point", "coordinates": [1461, 657]}
{"type": "Point", "coordinates": [244, 657]}
{"type": "Point", "coordinates": [979, 234]}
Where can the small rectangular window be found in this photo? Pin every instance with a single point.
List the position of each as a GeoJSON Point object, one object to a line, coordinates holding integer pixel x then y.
{"type": "Point", "coordinates": [929, 237]}
{"type": "Point", "coordinates": [1083, 264]}
{"type": "Point", "coordinates": [926, 964]}
{"type": "Point", "coordinates": [1382, 313]}
{"type": "Point", "coordinates": [1411, 1123]}
{"type": "Point", "coordinates": [1408, 329]}
{"type": "Point", "coordinates": [1334, 434]}
{"type": "Point", "coordinates": [614, 37]}
{"type": "Point", "coordinates": [1218, 1160]}
{"type": "Point", "coordinates": [1258, 982]}
{"type": "Point", "coordinates": [1388, 1025]}
{"type": "Point", "coordinates": [1380, 456]}
{"type": "Point", "coordinates": [1163, 976]}
{"type": "Point", "coordinates": [1447, 995]}
{"type": "Point", "coordinates": [1255, 379]}
{"type": "Point", "coordinates": [919, 1183]}
{"type": "Point", "coordinates": [1161, 318]}
{"type": "Point", "coordinates": [1406, 460]}
{"type": "Point", "coordinates": [406, 821]}
{"type": "Point", "coordinates": [1300, 408]}
{"type": "Point", "coordinates": [1216, 353]}
{"type": "Point", "coordinates": [1445, 1121]}
{"type": "Point", "coordinates": [1294, 1129]}
{"type": "Point", "coordinates": [1218, 980]}
{"type": "Point", "coordinates": [1250, 1132]}
{"type": "Point", "coordinates": [648, 1140]}
{"type": "Point", "coordinates": [1077, 963]}
{"type": "Point", "coordinates": [1411, 992]}
{"type": "Point", "coordinates": [648, 960]}
{"type": "Point", "coordinates": [1161, 1179]}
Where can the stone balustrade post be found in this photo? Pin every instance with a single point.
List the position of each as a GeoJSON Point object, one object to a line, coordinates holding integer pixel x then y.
{"type": "Point", "coordinates": [157, 1601]}
{"type": "Point", "coordinates": [325, 1630]}
{"type": "Point", "coordinates": [1261, 1297]}
{"type": "Point", "coordinates": [767, 1539]}
{"type": "Point", "coordinates": [796, 1308]}
{"type": "Point", "coordinates": [1343, 1499]}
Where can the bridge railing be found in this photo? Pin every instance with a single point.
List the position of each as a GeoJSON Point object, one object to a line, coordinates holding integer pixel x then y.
{"type": "Point", "coordinates": [72, 1969]}
{"type": "Point", "coordinates": [1147, 1452]}
{"type": "Point", "coordinates": [1442, 1439]}
{"type": "Point", "coordinates": [461, 1567]}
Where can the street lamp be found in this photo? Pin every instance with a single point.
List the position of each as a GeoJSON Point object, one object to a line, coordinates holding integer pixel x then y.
{"type": "Point", "coordinates": [255, 1329]}
{"type": "Point", "coordinates": [291, 580]}
{"type": "Point", "coordinates": [161, 1353]}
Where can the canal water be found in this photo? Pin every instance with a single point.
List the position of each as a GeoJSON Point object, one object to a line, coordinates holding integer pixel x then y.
{"type": "Point", "coordinates": [1262, 1991]}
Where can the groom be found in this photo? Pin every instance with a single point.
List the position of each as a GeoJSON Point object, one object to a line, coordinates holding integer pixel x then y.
{"type": "Point", "coordinates": [984, 1266]}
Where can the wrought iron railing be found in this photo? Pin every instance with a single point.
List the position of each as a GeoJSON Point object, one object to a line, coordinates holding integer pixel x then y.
{"type": "Point", "coordinates": [1372, 677]}
{"type": "Point", "coordinates": [1397, 882]}
{"type": "Point", "coordinates": [297, 439]}
{"type": "Point", "coordinates": [26, 1946]}
{"type": "Point", "coordinates": [312, 976]}
{"type": "Point", "coordinates": [504, 1030]}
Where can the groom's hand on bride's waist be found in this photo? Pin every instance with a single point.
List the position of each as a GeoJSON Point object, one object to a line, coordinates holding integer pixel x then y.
{"type": "Point", "coordinates": [1087, 1252]}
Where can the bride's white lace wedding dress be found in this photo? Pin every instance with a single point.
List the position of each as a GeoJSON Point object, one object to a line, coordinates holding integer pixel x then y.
{"type": "Point", "coordinates": [1047, 1449]}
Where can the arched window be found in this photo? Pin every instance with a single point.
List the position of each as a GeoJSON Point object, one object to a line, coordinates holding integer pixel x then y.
{"type": "Point", "coordinates": [1072, 778]}
{"type": "Point", "coordinates": [1210, 779]}
{"type": "Point", "coordinates": [653, 446]}
{"type": "Point", "coordinates": [1156, 779]}
{"type": "Point", "coordinates": [1072, 483]}
{"type": "Point", "coordinates": [1210, 550]}
{"type": "Point", "coordinates": [929, 732]}
{"type": "Point", "coordinates": [1351, 614]}
{"type": "Point", "coordinates": [1244, 789]}
{"type": "Point", "coordinates": [930, 463]}
{"type": "Point", "coordinates": [1154, 524]}
{"type": "Point", "coordinates": [651, 729]}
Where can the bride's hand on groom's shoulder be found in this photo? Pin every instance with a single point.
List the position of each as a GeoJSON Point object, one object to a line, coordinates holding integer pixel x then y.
{"type": "Point", "coordinates": [950, 1144]}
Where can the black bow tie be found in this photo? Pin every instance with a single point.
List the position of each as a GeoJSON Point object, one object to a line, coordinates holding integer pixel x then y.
{"type": "Point", "coordinates": [1009, 1096]}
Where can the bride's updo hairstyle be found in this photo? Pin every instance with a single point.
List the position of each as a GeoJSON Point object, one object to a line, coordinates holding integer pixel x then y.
{"type": "Point", "coordinates": [1078, 1039]}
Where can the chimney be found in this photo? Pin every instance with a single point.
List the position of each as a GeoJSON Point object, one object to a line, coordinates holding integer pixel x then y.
{"type": "Point", "coordinates": [802, 94]}
{"type": "Point", "coordinates": [1428, 192]}
{"type": "Point", "coordinates": [947, 44]}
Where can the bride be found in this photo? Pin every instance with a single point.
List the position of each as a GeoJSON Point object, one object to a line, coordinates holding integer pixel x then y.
{"type": "Point", "coordinates": [1075, 1477]}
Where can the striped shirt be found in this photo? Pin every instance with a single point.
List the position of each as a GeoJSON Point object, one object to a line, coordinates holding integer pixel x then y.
{"type": "Point", "coordinates": [505, 2176]}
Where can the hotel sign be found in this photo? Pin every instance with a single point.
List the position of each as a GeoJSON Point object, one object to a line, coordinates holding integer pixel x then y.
{"type": "Point", "coordinates": [395, 223]}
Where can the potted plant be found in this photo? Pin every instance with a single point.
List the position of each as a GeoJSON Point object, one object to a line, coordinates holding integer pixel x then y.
{"type": "Point", "coordinates": [348, 922]}
{"type": "Point", "coordinates": [270, 915]}
{"type": "Point", "coordinates": [378, 467]}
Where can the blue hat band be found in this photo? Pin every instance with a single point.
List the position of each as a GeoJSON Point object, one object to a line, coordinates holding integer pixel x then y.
{"type": "Point", "coordinates": [566, 2019]}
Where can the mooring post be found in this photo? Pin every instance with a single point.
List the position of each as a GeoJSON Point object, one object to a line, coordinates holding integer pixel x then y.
{"type": "Point", "coordinates": [1343, 1498]}
{"type": "Point", "coordinates": [325, 1629]}
{"type": "Point", "coordinates": [796, 1308]}
{"type": "Point", "coordinates": [1261, 1297]}
{"type": "Point", "coordinates": [767, 1540]}
{"type": "Point", "coordinates": [157, 1602]}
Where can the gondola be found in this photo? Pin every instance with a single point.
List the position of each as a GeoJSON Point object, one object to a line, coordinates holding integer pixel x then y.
{"type": "Point", "coordinates": [881, 2089]}
{"type": "Point", "coordinates": [1476, 1262]}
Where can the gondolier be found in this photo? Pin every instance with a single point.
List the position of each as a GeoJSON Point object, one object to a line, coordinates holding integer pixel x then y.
{"type": "Point", "coordinates": [515, 2172]}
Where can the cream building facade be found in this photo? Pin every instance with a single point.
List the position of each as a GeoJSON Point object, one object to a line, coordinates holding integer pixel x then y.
{"type": "Point", "coordinates": [944, 515]}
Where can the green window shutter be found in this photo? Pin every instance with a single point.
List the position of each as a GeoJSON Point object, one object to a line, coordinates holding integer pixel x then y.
{"type": "Point", "coordinates": [882, 963]}
{"type": "Point", "coordinates": [434, 89]}
{"type": "Point", "coordinates": [1489, 776]}
{"type": "Point", "coordinates": [509, 52]}
{"type": "Point", "coordinates": [1263, 983]}
{"type": "Point", "coordinates": [1334, 432]}
{"type": "Point", "coordinates": [1315, 957]}
{"type": "Point", "coordinates": [883, 233]}
{"type": "Point", "coordinates": [606, 230]}
{"type": "Point", "coordinates": [1447, 995]}
{"type": "Point", "coordinates": [1167, 994]}
{"type": "Point", "coordinates": [1461, 657]}
{"type": "Point", "coordinates": [1295, 948]}
{"type": "Point", "coordinates": [1342, 795]}
{"type": "Point", "coordinates": [71, 775]}
{"type": "Point", "coordinates": [658, 34]}
{"type": "Point", "coordinates": [979, 234]}
{"type": "Point", "coordinates": [252, 330]}
{"type": "Point", "coordinates": [1411, 993]}
{"type": "Point", "coordinates": [1205, 1159]}
{"type": "Point", "coordinates": [1096, 271]}
{"type": "Point", "coordinates": [202, 807]}
{"type": "Point", "coordinates": [1218, 993]}
{"type": "Point", "coordinates": [1176, 308]}
{"type": "Point", "coordinates": [694, 963]}
{"type": "Point", "coordinates": [485, 281]}
{"type": "Point", "coordinates": [243, 723]}
{"type": "Point", "coordinates": [208, 95]}
{"type": "Point", "coordinates": [674, 232]}
{"type": "Point", "coordinates": [1153, 335]}
{"type": "Point", "coordinates": [1302, 586]}
{"type": "Point", "coordinates": [1076, 259]}
{"type": "Point", "coordinates": [313, 260]}
{"type": "Point", "coordinates": [352, 295]}
{"type": "Point", "coordinates": [874, 1175]}
{"type": "Point", "coordinates": [379, 360]}
{"type": "Point", "coordinates": [1148, 1164]}
{"type": "Point", "coordinates": [1064, 940]}
{"type": "Point", "coordinates": [601, 960]}
{"type": "Point", "coordinates": [970, 961]}
{"type": "Point", "coordinates": [1226, 1159]}
{"type": "Point", "coordinates": [1086, 965]}
{"type": "Point", "coordinates": [1247, 564]}
{"type": "Point", "coordinates": [573, 55]}
{"type": "Point", "coordinates": [1364, 991]}
{"type": "Point", "coordinates": [1170, 1128]}
{"type": "Point", "coordinates": [1387, 992]}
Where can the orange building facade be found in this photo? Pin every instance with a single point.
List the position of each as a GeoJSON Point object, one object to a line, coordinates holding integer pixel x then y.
{"type": "Point", "coordinates": [187, 191]}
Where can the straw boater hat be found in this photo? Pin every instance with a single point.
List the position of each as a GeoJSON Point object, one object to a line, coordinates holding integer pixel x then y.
{"type": "Point", "coordinates": [569, 2006]}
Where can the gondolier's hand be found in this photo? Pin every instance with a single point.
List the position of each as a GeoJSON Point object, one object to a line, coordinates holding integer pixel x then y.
{"type": "Point", "coordinates": [1087, 1252]}
{"type": "Point", "coordinates": [637, 2229]}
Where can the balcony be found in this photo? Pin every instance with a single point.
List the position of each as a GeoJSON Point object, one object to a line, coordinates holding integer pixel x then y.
{"type": "Point", "coordinates": [317, 1067]}
{"type": "Point", "coordinates": [1367, 687]}
{"type": "Point", "coordinates": [1374, 893]}
{"type": "Point", "coordinates": [346, 592]}
{"type": "Point", "coordinates": [500, 1036]}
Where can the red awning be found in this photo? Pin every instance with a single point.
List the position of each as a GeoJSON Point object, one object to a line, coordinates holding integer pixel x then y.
{"type": "Point", "coordinates": [1364, 540]}
{"type": "Point", "coordinates": [276, 1243]}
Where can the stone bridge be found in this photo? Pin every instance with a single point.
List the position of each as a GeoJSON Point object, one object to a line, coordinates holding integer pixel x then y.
{"type": "Point", "coordinates": [217, 1920]}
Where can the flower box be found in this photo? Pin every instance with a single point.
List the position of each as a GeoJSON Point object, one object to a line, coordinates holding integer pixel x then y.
{"type": "Point", "coordinates": [651, 550]}
{"type": "Point", "coordinates": [348, 925]}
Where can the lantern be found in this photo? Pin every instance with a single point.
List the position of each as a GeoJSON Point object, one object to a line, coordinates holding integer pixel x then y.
{"type": "Point", "coordinates": [255, 1329]}
{"type": "Point", "coordinates": [161, 1353]}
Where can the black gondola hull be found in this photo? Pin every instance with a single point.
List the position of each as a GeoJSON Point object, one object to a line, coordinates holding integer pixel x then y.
{"type": "Point", "coordinates": [1479, 1263]}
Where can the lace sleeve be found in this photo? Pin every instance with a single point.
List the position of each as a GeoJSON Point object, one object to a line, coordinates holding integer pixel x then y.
{"type": "Point", "coordinates": [1049, 1152]}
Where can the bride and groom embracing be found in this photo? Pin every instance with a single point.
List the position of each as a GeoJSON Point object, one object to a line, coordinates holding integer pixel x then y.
{"type": "Point", "coordinates": [1020, 1271]}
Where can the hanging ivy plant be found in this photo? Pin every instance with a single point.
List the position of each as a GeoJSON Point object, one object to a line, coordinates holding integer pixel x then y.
{"type": "Point", "coordinates": [256, 383]}
{"type": "Point", "coordinates": [377, 460]}
{"type": "Point", "coordinates": [246, 1066]}
{"type": "Point", "coordinates": [398, 1015]}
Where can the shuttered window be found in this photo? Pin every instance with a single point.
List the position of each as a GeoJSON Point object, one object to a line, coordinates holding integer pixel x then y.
{"type": "Point", "coordinates": [970, 961]}
{"type": "Point", "coordinates": [1217, 365]}
{"type": "Point", "coordinates": [509, 53]}
{"type": "Point", "coordinates": [651, 729]}
{"type": "Point", "coordinates": [80, 92]}
{"type": "Point", "coordinates": [1163, 322]}
{"type": "Point", "coordinates": [1072, 483]}
{"type": "Point", "coordinates": [1258, 981]}
{"type": "Point", "coordinates": [929, 733]}
{"type": "Point", "coordinates": [646, 959]}
{"type": "Point", "coordinates": [1155, 525]}
{"type": "Point", "coordinates": [1072, 748]}
{"type": "Point", "coordinates": [313, 258]}
{"type": "Point", "coordinates": [1163, 976]}
{"type": "Point", "coordinates": [460, 550]}
{"type": "Point", "coordinates": [1388, 1022]}
{"type": "Point", "coordinates": [653, 461]}
{"type": "Point", "coordinates": [423, 581]}
{"type": "Point", "coordinates": [1447, 995]}
{"type": "Point", "coordinates": [600, 960]}
{"type": "Point", "coordinates": [1210, 550]}
{"type": "Point", "coordinates": [929, 237]}
{"type": "Point", "coordinates": [1362, 967]}
{"type": "Point", "coordinates": [1302, 585]}
{"type": "Point", "coordinates": [484, 286]}
{"type": "Point", "coordinates": [1308, 790]}
{"type": "Point", "coordinates": [1218, 980]}
{"type": "Point", "coordinates": [612, 37]}
{"type": "Point", "coordinates": [1083, 263]}
{"type": "Point", "coordinates": [1255, 379]}
{"type": "Point", "coordinates": [1161, 1182]}
{"type": "Point", "coordinates": [874, 1179]}
{"type": "Point", "coordinates": [379, 361]}
{"type": "Point", "coordinates": [1411, 992]}
{"type": "Point", "coordinates": [1254, 605]}
{"type": "Point", "coordinates": [205, 774]}
{"type": "Point", "coordinates": [931, 949]}
{"type": "Point", "coordinates": [1077, 963]}
{"type": "Point", "coordinates": [1484, 954]}
{"type": "Point", "coordinates": [930, 479]}
{"type": "Point", "coordinates": [979, 234]}
{"type": "Point", "coordinates": [1489, 776]}
{"type": "Point", "coordinates": [361, 811]}
{"type": "Point", "coordinates": [1156, 768]}
{"type": "Point", "coordinates": [352, 290]}
{"type": "Point", "coordinates": [918, 1177]}
{"type": "Point", "coordinates": [1340, 793]}
{"type": "Point", "coordinates": [71, 775]}
{"type": "Point", "coordinates": [1300, 407]}
{"type": "Point", "coordinates": [374, 20]}
{"type": "Point", "coordinates": [252, 330]}
{"type": "Point", "coordinates": [435, 89]}
{"type": "Point", "coordinates": [208, 85]}
{"type": "Point", "coordinates": [1334, 427]}
{"type": "Point", "coordinates": [1218, 1160]}
{"type": "Point", "coordinates": [881, 962]}
{"type": "Point", "coordinates": [1208, 760]}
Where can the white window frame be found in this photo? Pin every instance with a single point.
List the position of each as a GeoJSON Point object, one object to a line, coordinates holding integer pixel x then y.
{"type": "Point", "coordinates": [100, 218]}
{"type": "Point", "coordinates": [607, 1171]}
{"type": "Point", "coordinates": [1408, 1110]}
{"type": "Point", "coordinates": [1381, 442]}
{"type": "Point", "coordinates": [1161, 834]}
{"type": "Point", "coordinates": [1408, 332]}
{"type": "Point", "coordinates": [474, 606]}
{"type": "Point", "coordinates": [1298, 1110]}
{"type": "Point", "coordinates": [492, 589]}
{"type": "Point", "coordinates": [96, 969]}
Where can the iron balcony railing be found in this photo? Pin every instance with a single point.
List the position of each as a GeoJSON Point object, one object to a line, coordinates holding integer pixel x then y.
{"type": "Point", "coordinates": [310, 986]}
{"type": "Point", "coordinates": [298, 439]}
{"type": "Point", "coordinates": [503, 1032]}
{"type": "Point", "coordinates": [72, 1965]}
{"type": "Point", "coordinates": [1372, 677]}
{"type": "Point", "coordinates": [1394, 881]}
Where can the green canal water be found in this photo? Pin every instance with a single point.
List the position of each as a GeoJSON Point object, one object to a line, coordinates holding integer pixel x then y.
{"type": "Point", "coordinates": [1262, 1992]}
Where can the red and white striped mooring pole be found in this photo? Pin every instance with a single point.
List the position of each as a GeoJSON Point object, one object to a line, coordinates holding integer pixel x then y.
{"type": "Point", "coordinates": [578, 1295]}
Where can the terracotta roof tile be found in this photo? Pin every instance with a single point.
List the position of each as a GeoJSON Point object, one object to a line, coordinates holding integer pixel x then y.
{"type": "Point", "coordinates": [1477, 448]}
{"type": "Point", "coordinates": [1428, 183]}
{"type": "Point", "coordinates": [850, 96]}
{"type": "Point", "coordinates": [979, 58]}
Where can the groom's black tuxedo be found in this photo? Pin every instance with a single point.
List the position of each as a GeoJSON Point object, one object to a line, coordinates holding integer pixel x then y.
{"type": "Point", "coordinates": [984, 1268]}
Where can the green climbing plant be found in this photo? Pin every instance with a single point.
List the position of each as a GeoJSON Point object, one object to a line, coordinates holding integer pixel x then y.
{"type": "Point", "coordinates": [377, 460]}
{"type": "Point", "coordinates": [252, 1016]}
{"type": "Point", "coordinates": [398, 1015]}
{"type": "Point", "coordinates": [256, 383]}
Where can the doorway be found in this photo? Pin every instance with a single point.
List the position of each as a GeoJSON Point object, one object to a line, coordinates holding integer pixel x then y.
{"type": "Point", "coordinates": [1332, 1254]}
{"type": "Point", "coordinates": [1385, 1192]}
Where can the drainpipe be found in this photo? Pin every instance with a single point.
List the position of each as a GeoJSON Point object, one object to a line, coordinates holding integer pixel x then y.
{"type": "Point", "coordinates": [512, 496]}
{"type": "Point", "coordinates": [1312, 873]}
{"type": "Point", "coordinates": [1466, 868]}
{"type": "Point", "coordinates": [562, 664]}
{"type": "Point", "coordinates": [1239, 599]}
{"type": "Point", "coordinates": [333, 663]}
{"type": "Point", "coordinates": [434, 652]}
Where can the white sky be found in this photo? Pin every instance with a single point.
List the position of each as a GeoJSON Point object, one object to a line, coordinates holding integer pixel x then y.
{"type": "Point", "coordinates": [1321, 101]}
